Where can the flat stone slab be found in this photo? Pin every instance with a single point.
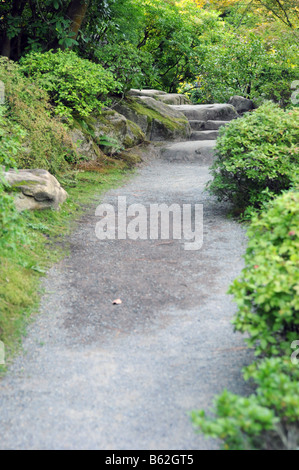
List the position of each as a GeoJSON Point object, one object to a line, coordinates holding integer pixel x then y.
{"type": "Point", "coordinates": [204, 135]}
{"type": "Point", "coordinates": [201, 152]}
{"type": "Point", "coordinates": [215, 125]}
{"type": "Point", "coordinates": [173, 98]}
{"type": "Point", "coordinates": [146, 92]}
{"type": "Point", "coordinates": [209, 125]}
{"type": "Point", "coordinates": [205, 112]}
{"type": "Point", "coordinates": [167, 98]}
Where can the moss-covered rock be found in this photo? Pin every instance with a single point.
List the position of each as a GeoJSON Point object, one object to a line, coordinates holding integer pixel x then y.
{"type": "Point", "coordinates": [109, 132]}
{"type": "Point", "coordinates": [157, 120]}
{"type": "Point", "coordinates": [83, 140]}
{"type": "Point", "coordinates": [35, 189]}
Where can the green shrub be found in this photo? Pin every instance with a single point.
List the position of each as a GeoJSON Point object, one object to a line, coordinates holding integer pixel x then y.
{"type": "Point", "coordinates": [238, 421]}
{"type": "Point", "coordinates": [130, 66]}
{"type": "Point", "coordinates": [46, 142]}
{"type": "Point", "coordinates": [11, 226]}
{"type": "Point", "coordinates": [77, 86]}
{"type": "Point", "coordinates": [249, 67]}
{"type": "Point", "coordinates": [257, 157]}
{"type": "Point", "coordinates": [267, 419]}
{"type": "Point", "coordinates": [268, 312]}
{"type": "Point", "coordinates": [267, 292]}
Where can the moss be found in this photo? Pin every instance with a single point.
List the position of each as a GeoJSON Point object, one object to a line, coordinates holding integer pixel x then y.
{"type": "Point", "coordinates": [152, 114]}
{"type": "Point", "coordinates": [26, 183]}
{"type": "Point", "coordinates": [136, 137]}
{"type": "Point", "coordinates": [130, 157]}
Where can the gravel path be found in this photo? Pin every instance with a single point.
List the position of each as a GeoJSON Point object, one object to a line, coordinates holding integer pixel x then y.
{"type": "Point", "coordinates": [99, 376]}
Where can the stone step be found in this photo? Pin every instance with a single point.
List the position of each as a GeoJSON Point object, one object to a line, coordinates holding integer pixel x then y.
{"type": "Point", "coordinates": [192, 151]}
{"type": "Point", "coordinates": [197, 125]}
{"type": "Point", "coordinates": [207, 112]}
{"type": "Point", "coordinates": [204, 135]}
{"type": "Point", "coordinates": [215, 125]}
{"type": "Point", "coordinates": [206, 125]}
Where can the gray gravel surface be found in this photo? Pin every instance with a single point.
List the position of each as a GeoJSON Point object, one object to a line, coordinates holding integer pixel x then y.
{"type": "Point", "coordinates": [99, 376]}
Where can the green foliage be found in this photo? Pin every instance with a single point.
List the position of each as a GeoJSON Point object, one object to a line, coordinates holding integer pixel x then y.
{"type": "Point", "coordinates": [267, 419]}
{"type": "Point", "coordinates": [257, 157]}
{"type": "Point", "coordinates": [240, 421]}
{"type": "Point", "coordinates": [11, 227]}
{"type": "Point", "coordinates": [37, 25]}
{"type": "Point", "coordinates": [267, 293]}
{"type": "Point", "coordinates": [45, 142]}
{"type": "Point", "coordinates": [11, 136]}
{"type": "Point", "coordinates": [268, 312]}
{"type": "Point", "coordinates": [130, 66]}
{"type": "Point", "coordinates": [76, 86]}
{"type": "Point", "coordinates": [149, 43]}
{"type": "Point", "coordinates": [11, 224]}
{"type": "Point", "coordinates": [172, 33]}
{"type": "Point", "coordinates": [249, 67]}
{"type": "Point", "coordinates": [277, 380]}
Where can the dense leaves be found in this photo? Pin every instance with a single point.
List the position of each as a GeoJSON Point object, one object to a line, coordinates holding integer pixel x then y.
{"type": "Point", "coordinates": [76, 86]}
{"type": "Point", "coordinates": [258, 157]}
{"type": "Point", "coordinates": [11, 225]}
{"type": "Point", "coordinates": [46, 143]}
{"type": "Point", "coordinates": [267, 293]}
{"type": "Point", "coordinates": [268, 311]}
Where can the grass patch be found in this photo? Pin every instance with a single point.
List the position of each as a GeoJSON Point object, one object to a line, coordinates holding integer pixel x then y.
{"type": "Point", "coordinates": [22, 268]}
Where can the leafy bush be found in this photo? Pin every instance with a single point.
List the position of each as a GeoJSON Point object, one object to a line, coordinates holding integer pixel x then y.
{"type": "Point", "coordinates": [258, 157]}
{"type": "Point", "coordinates": [46, 142]}
{"type": "Point", "coordinates": [10, 143]}
{"type": "Point", "coordinates": [267, 293]}
{"type": "Point", "coordinates": [267, 419]}
{"type": "Point", "coordinates": [249, 67]}
{"type": "Point", "coordinates": [77, 86]}
{"type": "Point", "coordinates": [268, 311]}
{"type": "Point", "coordinates": [130, 66]}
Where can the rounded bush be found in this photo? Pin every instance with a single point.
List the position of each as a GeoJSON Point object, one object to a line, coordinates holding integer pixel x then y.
{"type": "Point", "coordinates": [267, 292]}
{"type": "Point", "coordinates": [76, 86]}
{"type": "Point", "coordinates": [257, 157]}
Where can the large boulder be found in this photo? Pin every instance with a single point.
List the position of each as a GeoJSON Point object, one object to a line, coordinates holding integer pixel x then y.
{"type": "Point", "coordinates": [173, 98]}
{"type": "Point", "coordinates": [242, 105]}
{"type": "Point", "coordinates": [110, 127]}
{"type": "Point", "coordinates": [114, 125]}
{"type": "Point", "coordinates": [167, 98]}
{"type": "Point", "coordinates": [146, 92]}
{"type": "Point", "coordinates": [206, 112]}
{"type": "Point", "coordinates": [35, 189]}
{"type": "Point", "coordinates": [157, 120]}
{"type": "Point", "coordinates": [84, 144]}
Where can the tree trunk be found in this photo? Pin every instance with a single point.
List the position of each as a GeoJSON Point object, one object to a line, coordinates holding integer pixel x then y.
{"type": "Point", "coordinates": [76, 13]}
{"type": "Point", "coordinates": [16, 10]}
{"type": "Point", "coordinates": [6, 47]}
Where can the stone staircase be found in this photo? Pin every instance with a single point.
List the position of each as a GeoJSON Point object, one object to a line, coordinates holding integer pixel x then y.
{"type": "Point", "coordinates": [205, 122]}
